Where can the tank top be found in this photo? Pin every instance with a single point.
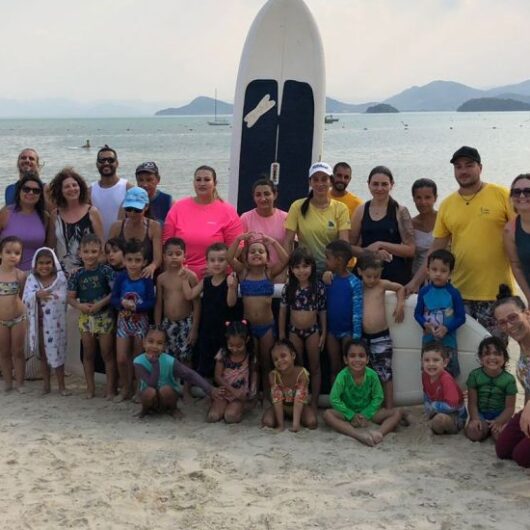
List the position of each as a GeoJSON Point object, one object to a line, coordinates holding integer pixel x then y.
{"type": "Point", "coordinates": [108, 202]}
{"type": "Point", "coordinates": [147, 242]}
{"type": "Point", "coordinates": [423, 244]}
{"type": "Point", "coordinates": [30, 229]}
{"type": "Point", "coordinates": [386, 229]}
{"type": "Point", "coordinates": [522, 244]}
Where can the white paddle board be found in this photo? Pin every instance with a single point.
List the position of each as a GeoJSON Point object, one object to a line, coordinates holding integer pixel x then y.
{"type": "Point", "coordinates": [279, 103]}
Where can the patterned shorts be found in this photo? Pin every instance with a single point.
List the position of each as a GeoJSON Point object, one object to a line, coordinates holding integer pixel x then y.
{"type": "Point", "coordinates": [100, 323]}
{"type": "Point", "coordinates": [483, 313]}
{"type": "Point", "coordinates": [132, 324]}
{"type": "Point", "coordinates": [380, 353]}
{"type": "Point", "coordinates": [178, 332]}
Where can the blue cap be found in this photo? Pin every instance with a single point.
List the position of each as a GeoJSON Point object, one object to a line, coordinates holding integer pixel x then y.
{"type": "Point", "coordinates": [136, 198]}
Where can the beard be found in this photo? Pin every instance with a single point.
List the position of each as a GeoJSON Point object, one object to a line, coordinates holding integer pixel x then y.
{"type": "Point", "coordinates": [339, 186]}
{"type": "Point", "coordinates": [107, 171]}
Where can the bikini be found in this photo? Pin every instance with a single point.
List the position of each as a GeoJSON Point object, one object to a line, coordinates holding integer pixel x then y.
{"type": "Point", "coordinates": [11, 289]}
{"type": "Point", "coordinates": [263, 287]}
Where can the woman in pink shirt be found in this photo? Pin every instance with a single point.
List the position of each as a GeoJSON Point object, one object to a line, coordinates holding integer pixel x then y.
{"type": "Point", "coordinates": [202, 220]}
{"type": "Point", "coordinates": [266, 219]}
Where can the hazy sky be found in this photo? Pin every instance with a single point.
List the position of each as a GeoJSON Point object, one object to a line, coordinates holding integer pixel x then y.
{"type": "Point", "coordinates": [174, 50]}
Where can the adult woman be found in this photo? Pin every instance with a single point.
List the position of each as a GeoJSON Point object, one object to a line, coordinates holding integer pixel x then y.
{"type": "Point", "coordinates": [385, 227]}
{"type": "Point", "coordinates": [27, 219]}
{"type": "Point", "coordinates": [513, 318]}
{"type": "Point", "coordinates": [137, 226]}
{"type": "Point", "coordinates": [73, 218]}
{"type": "Point", "coordinates": [517, 233]}
{"type": "Point", "coordinates": [317, 219]}
{"type": "Point", "coordinates": [266, 219]}
{"type": "Point", "coordinates": [202, 220]}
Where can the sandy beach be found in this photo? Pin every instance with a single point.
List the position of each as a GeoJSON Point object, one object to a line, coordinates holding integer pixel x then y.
{"type": "Point", "coordinates": [72, 463]}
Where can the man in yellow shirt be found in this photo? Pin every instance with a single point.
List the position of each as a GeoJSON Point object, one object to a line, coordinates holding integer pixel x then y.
{"type": "Point", "coordinates": [339, 182]}
{"type": "Point", "coordinates": [472, 220]}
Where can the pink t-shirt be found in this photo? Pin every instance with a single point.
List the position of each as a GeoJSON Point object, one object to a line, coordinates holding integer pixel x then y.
{"type": "Point", "coordinates": [200, 225]}
{"type": "Point", "coordinates": [272, 226]}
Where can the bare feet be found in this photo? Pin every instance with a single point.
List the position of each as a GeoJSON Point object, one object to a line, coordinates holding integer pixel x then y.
{"type": "Point", "coordinates": [90, 395]}
{"type": "Point", "coordinates": [365, 438]}
{"type": "Point", "coordinates": [119, 398]}
{"type": "Point", "coordinates": [295, 429]}
{"type": "Point", "coordinates": [110, 397]}
{"type": "Point", "coordinates": [21, 389]}
{"type": "Point", "coordinates": [177, 414]}
{"type": "Point", "coordinates": [65, 392]}
{"type": "Point", "coordinates": [377, 436]}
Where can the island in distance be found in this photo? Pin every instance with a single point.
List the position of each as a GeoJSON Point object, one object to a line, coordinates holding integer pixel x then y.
{"type": "Point", "coordinates": [492, 105]}
{"type": "Point", "coordinates": [381, 108]}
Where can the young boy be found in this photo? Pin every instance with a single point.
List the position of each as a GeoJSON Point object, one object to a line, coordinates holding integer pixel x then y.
{"type": "Point", "coordinates": [440, 310]}
{"type": "Point", "coordinates": [177, 315]}
{"type": "Point", "coordinates": [89, 291]}
{"type": "Point", "coordinates": [148, 178]}
{"type": "Point", "coordinates": [344, 302]}
{"type": "Point", "coordinates": [158, 374]}
{"type": "Point", "coordinates": [442, 397]}
{"type": "Point", "coordinates": [114, 254]}
{"type": "Point", "coordinates": [133, 297]}
{"type": "Point", "coordinates": [356, 398]}
{"type": "Point", "coordinates": [219, 297]}
{"type": "Point", "coordinates": [375, 327]}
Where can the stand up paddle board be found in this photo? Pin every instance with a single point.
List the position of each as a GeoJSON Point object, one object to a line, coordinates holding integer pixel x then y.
{"type": "Point", "coordinates": [279, 104]}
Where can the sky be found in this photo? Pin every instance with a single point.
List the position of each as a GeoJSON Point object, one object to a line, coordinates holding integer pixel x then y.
{"type": "Point", "coordinates": [175, 50]}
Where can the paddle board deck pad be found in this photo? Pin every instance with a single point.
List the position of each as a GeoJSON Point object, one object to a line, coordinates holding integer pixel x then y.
{"type": "Point", "coordinates": [279, 103]}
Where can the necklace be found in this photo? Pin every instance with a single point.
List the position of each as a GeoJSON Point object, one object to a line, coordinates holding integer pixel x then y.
{"type": "Point", "coordinates": [467, 201]}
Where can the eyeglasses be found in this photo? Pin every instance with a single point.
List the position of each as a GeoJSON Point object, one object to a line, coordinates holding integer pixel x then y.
{"type": "Point", "coordinates": [108, 160]}
{"type": "Point", "coordinates": [29, 189]}
{"type": "Point", "coordinates": [511, 319]}
{"type": "Point", "coordinates": [130, 209]}
{"type": "Point", "coordinates": [520, 192]}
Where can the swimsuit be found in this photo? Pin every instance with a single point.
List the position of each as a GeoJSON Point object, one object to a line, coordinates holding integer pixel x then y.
{"type": "Point", "coordinates": [12, 322]}
{"type": "Point", "coordinates": [380, 353]}
{"type": "Point", "coordinates": [131, 324]}
{"type": "Point", "coordinates": [9, 288]}
{"type": "Point", "coordinates": [263, 287]}
{"type": "Point", "coordinates": [236, 374]}
{"type": "Point", "coordinates": [177, 332]}
{"type": "Point", "coordinates": [260, 330]}
{"type": "Point", "coordinates": [100, 323]}
{"type": "Point", "coordinates": [280, 393]}
{"type": "Point", "coordinates": [304, 333]}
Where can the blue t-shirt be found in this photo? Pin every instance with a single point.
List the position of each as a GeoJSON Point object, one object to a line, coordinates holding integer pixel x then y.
{"type": "Point", "coordinates": [140, 291]}
{"type": "Point", "coordinates": [10, 194]}
{"type": "Point", "coordinates": [159, 206]}
{"type": "Point", "coordinates": [91, 285]}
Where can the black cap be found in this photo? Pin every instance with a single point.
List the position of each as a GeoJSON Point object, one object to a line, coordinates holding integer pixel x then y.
{"type": "Point", "coordinates": [466, 152]}
{"type": "Point", "coordinates": [147, 167]}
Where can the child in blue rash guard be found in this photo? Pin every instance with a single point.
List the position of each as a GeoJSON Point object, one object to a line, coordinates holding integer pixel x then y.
{"type": "Point", "coordinates": [133, 297]}
{"type": "Point", "coordinates": [158, 374]}
{"type": "Point", "coordinates": [344, 302]}
{"type": "Point", "coordinates": [440, 310]}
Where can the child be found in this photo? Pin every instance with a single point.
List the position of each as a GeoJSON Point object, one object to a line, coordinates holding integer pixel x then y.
{"type": "Point", "coordinates": [219, 296]}
{"type": "Point", "coordinates": [356, 398]}
{"type": "Point", "coordinates": [133, 297]}
{"type": "Point", "coordinates": [89, 291]}
{"type": "Point", "coordinates": [114, 254]}
{"type": "Point", "coordinates": [236, 373]}
{"type": "Point", "coordinates": [158, 373]}
{"type": "Point", "coordinates": [12, 314]}
{"type": "Point", "coordinates": [257, 289]}
{"type": "Point", "coordinates": [424, 194]}
{"type": "Point", "coordinates": [305, 298]}
{"type": "Point", "coordinates": [177, 315]}
{"type": "Point", "coordinates": [440, 309]}
{"type": "Point", "coordinates": [45, 296]}
{"type": "Point", "coordinates": [289, 391]}
{"type": "Point", "coordinates": [345, 303]}
{"type": "Point", "coordinates": [491, 392]}
{"type": "Point", "coordinates": [375, 327]}
{"type": "Point", "coordinates": [442, 397]}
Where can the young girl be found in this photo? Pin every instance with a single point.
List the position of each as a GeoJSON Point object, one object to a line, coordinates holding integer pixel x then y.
{"type": "Point", "coordinates": [12, 313]}
{"type": "Point", "coordinates": [442, 397]}
{"type": "Point", "coordinates": [45, 297]}
{"type": "Point", "coordinates": [236, 373]}
{"type": "Point", "coordinates": [289, 391]}
{"type": "Point", "coordinates": [424, 194]}
{"type": "Point", "coordinates": [491, 392]}
{"type": "Point", "coordinates": [257, 289]}
{"type": "Point", "coordinates": [305, 297]}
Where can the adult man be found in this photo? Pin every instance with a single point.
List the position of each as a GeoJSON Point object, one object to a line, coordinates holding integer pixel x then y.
{"type": "Point", "coordinates": [339, 182]}
{"type": "Point", "coordinates": [109, 192]}
{"type": "Point", "coordinates": [27, 162]}
{"type": "Point", "coordinates": [148, 178]}
{"type": "Point", "coordinates": [472, 220]}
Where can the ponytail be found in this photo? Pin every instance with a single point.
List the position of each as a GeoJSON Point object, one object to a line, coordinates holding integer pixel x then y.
{"type": "Point", "coordinates": [305, 204]}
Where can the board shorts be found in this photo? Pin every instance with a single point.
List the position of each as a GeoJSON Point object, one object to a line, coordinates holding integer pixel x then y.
{"type": "Point", "coordinates": [380, 353]}
{"type": "Point", "coordinates": [177, 332]}
{"type": "Point", "coordinates": [132, 324]}
{"type": "Point", "coordinates": [100, 323]}
{"type": "Point", "coordinates": [483, 313]}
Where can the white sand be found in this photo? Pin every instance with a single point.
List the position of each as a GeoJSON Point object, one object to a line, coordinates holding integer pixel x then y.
{"type": "Point", "coordinates": [71, 463]}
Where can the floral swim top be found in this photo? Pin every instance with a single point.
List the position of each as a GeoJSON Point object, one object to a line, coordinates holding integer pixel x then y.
{"type": "Point", "coordinates": [289, 395]}
{"type": "Point", "coordinates": [305, 299]}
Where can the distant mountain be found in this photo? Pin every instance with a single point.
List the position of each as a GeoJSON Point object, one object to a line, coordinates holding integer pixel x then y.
{"type": "Point", "coordinates": [522, 89]}
{"type": "Point", "coordinates": [381, 108]}
{"type": "Point", "coordinates": [492, 105]}
{"type": "Point", "coordinates": [200, 106]}
{"type": "Point", "coordinates": [334, 106]}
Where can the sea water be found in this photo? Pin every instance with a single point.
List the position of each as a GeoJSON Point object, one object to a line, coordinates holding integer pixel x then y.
{"type": "Point", "coordinates": [412, 145]}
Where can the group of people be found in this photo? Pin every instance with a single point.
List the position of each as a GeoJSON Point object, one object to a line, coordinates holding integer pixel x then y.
{"type": "Point", "coordinates": [155, 286]}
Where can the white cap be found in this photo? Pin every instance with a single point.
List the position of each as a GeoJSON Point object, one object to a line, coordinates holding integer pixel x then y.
{"type": "Point", "coordinates": [320, 167]}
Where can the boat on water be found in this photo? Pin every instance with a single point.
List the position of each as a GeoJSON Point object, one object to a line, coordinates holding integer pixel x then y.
{"type": "Point", "coordinates": [329, 118]}
{"type": "Point", "coordinates": [216, 120]}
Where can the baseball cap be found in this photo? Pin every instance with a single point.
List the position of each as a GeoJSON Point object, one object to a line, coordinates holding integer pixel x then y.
{"type": "Point", "coordinates": [320, 167]}
{"type": "Point", "coordinates": [136, 198]}
{"type": "Point", "coordinates": [147, 167]}
{"type": "Point", "coordinates": [466, 152]}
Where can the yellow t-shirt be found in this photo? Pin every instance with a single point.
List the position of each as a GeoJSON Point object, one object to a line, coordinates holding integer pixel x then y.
{"type": "Point", "coordinates": [350, 200]}
{"type": "Point", "coordinates": [476, 232]}
{"type": "Point", "coordinates": [319, 226]}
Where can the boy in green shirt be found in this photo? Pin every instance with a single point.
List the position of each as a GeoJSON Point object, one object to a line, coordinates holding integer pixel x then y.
{"type": "Point", "coordinates": [356, 398]}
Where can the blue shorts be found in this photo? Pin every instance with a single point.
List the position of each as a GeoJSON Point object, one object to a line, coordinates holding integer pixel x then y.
{"type": "Point", "coordinates": [489, 415]}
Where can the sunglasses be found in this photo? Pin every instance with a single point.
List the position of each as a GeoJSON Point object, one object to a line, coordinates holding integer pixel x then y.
{"type": "Point", "coordinates": [108, 160]}
{"type": "Point", "coordinates": [29, 189]}
{"type": "Point", "coordinates": [130, 209]}
{"type": "Point", "coordinates": [520, 192]}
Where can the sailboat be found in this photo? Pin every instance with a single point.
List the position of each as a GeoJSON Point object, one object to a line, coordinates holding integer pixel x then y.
{"type": "Point", "coordinates": [216, 120]}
